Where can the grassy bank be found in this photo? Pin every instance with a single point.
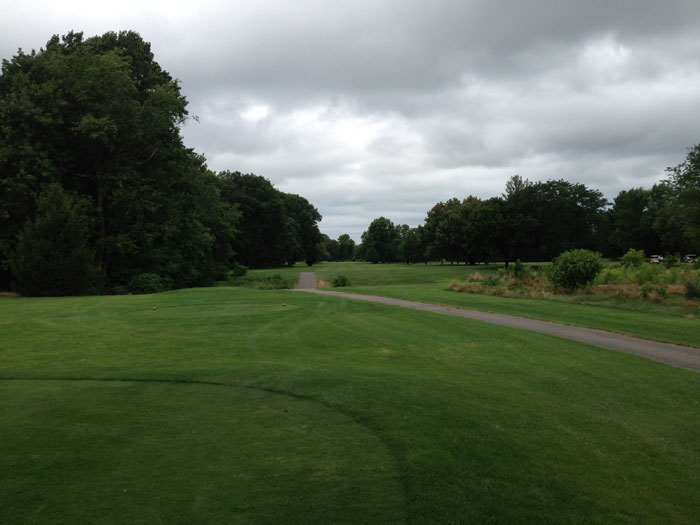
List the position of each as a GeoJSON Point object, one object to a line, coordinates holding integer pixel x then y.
{"type": "Point", "coordinates": [223, 405]}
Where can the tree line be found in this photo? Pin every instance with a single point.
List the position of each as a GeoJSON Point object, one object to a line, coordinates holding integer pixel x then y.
{"type": "Point", "coordinates": [536, 221]}
{"type": "Point", "coordinates": [99, 193]}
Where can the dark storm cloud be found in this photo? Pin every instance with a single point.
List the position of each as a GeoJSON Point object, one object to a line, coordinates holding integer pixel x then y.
{"type": "Point", "coordinates": [376, 107]}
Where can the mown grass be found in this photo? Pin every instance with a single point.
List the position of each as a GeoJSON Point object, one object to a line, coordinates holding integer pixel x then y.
{"type": "Point", "coordinates": [674, 320]}
{"type": "Point", "coordinates": [364, 274]}
{"type": "Point", "coordinates": [675, 324]}
{"type": "Point", "coordinates": [223, 405]}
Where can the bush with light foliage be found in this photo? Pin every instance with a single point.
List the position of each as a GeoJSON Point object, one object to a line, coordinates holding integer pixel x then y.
{"type": "Point", "coordinates": [575, 268]}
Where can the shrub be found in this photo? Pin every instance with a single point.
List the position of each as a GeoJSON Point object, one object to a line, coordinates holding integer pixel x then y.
{"type": "Point", "coordinates": [575, 268]}
{"type": "Point", "coordinates": [672, 259]}
{"type": "Point", "coordinates": [273, 282]}
{"type": "Point", "coordinates": [692, 287]}
{"type": "Point", "coordinates": [662, 291]}
{"type": "Point", "coordinates": [633, 258]}
{"type": "Point", "coordinates": [340, 281]}
{"type": "Point", "coordinates": [237, 270]}
{"type": "Point", "coordinates": [612, 275]}
{"type": "Point", "coordinates": [519, 270]}
{"type": "Point", "coordinates": [147, 283]}
{"type": "Point", "coordinates": [648, 273]}
{"type": "Point", "coordinates": [492, 280]}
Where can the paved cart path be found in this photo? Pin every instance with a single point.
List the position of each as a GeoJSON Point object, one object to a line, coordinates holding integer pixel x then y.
{"type": "Point", "coordinates": [307, 280]}
{"type": "Point", "coordinates": [677, 355]}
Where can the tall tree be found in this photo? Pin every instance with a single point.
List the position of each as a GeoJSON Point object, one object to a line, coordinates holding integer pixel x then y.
{"type": "Point", "coordinates": [684, 186]}
{"type": "Point", "coordinates": [544, 219]}
{"type": "Point", "coordinates": [303, 221]}
{"type": "Point", "coordinates": [346, 248]}
{"type": "Point", "coordinates": [631, 223]}
{"type": "Point", "coordinates": [100, 117]}
{"type": "Point", "coordinates": [483, 232]}
{"type": "Point", "coordinates": [380, 241]}
{"type": "Point", "coordinates": [444, 227]}
{"type": "Point", "coordinates": [266, 236]}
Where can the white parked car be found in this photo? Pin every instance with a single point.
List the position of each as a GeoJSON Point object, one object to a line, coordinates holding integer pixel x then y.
{"type": "Point", "coordinates": [656, 259]}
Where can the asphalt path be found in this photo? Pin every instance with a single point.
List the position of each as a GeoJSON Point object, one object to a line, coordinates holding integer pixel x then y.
{"type": "Point", "coordinates": [676, 355]}
{"type": "Point", "coordinates": [307, 280]}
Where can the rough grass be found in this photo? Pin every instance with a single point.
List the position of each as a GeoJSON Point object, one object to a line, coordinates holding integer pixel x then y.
{"type": "Point", "coordinates": [224, 405]}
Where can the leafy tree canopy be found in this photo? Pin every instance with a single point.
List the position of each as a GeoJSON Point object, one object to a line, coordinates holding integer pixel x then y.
{"type": "Point", "coordinates": [100, 117]}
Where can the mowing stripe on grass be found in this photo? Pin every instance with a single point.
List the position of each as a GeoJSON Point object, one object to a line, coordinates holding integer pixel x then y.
{"type": "Point", "coordinates": [676, 355]}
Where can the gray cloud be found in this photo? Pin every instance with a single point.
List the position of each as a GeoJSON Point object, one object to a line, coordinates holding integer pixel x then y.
{"type": "Point", "coordinates": [373, 108]}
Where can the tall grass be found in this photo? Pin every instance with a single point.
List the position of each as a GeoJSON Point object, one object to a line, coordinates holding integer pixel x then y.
{"type": "Point", "coordinates": [647, 282]}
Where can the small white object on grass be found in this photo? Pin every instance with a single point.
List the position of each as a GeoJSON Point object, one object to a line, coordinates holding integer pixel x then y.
{"type": "Point", "coordinates": [155, 307]}
{"type": "Point", "coordinates": [284, 304]}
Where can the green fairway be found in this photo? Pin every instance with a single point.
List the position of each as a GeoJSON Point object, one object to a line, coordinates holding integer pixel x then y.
{"type": "Point", "coordinates": [223, 405]}
{"type": "Point", "coordinates": [671, 323]}
{"type": "Point", "coordinates": [366, 274]}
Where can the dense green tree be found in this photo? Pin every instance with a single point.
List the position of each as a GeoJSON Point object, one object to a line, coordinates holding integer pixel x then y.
{"type": "Point", "coordinates": [684, 202]}
{"type": "Point", "coordinates": [667, 223]}
{"type": "Point", "coordinates": [411, 249]}
{"type": "Point", "coordinates": [520, 224]}
{"type": "Point", "coordinates": [380, 241]}
{"type": "Point", "coordinates": [266, 235]}
{"type": "Point", "coordinates": [544, 219]}
{"type": "Point", "coordinates": [331, 250]}
{"type": "Point", "coordinates": [483, 231]}
{"type": "Point", "coordinates": [275, 228]}
{"type": "Point", "coordinates": [52, 255]}
{"type": "Point", "coordinates": [303, 219]}
{"type": "Point", "coordinates": [444, 227]}
{"type": "Point", "coordinates": [101, 118]}
{"type": "Point", "coordinates": [631, 221]}
{"type": "Point", "coordinates": [346, 248]}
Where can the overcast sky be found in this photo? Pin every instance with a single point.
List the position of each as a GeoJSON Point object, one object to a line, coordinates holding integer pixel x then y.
{"type": "Point", "coordinates": [371, 108]}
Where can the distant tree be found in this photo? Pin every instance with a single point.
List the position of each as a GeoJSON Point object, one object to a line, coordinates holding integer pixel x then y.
{"type": "Point", "coordinates": [52, 256]}
{"type": "Point", "coordinates": [444, 227]}
{"type": "Point", "coordinates": [410, 246]}
{"type": "Point", "coordinates": [330, 250]}
{"type": "Point", "coordinates": [631, 223]}
{"type": "Point", "coordinates": [346, 248]}
{"type": "Point", "coordinates": [303, 219]}
{"type": "Point", "coordinates": [380, 241]}
{"type": "Point", "coordinates": [684, 186]}
{"type": "Point", "coordinates": [546, 218]}
{"type": "Point", "coordinates": [483, 232]}
{"type": "Point", "coordinates": [266, 235]}
{"type": "Point", "coordinates": [667, 223]}
{"type": "Point", "coordinates": [520, 225]}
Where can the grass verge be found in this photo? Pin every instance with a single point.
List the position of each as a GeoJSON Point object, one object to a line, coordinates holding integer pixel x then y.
{"type": "Point", "coordinates": [613, 313]}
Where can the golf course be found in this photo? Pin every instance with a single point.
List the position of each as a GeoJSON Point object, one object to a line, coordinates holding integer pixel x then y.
{"type": "Point", "coordinates": [233, 404]}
